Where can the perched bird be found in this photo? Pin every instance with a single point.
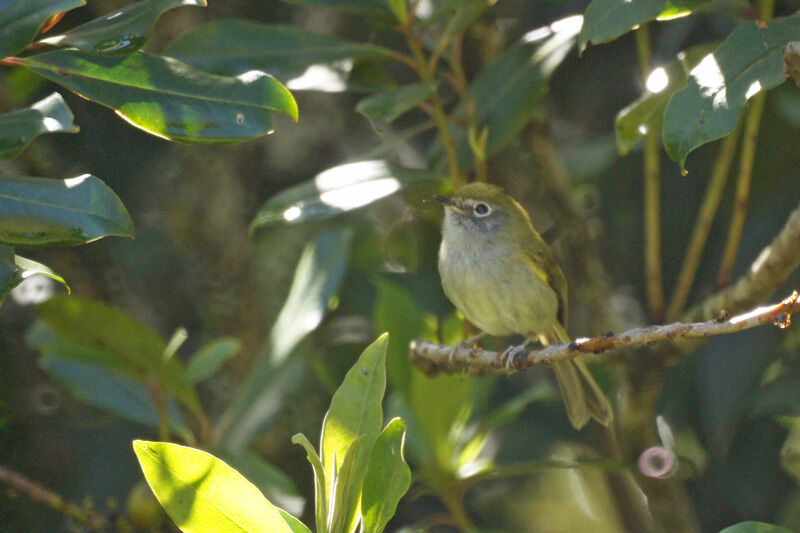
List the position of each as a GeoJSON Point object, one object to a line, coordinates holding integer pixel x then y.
{"type": "Point", "coordinates": [502, 276]}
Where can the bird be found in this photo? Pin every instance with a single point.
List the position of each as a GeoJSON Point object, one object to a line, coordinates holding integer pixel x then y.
{"type": "Point", "coordinates": [501, 275]}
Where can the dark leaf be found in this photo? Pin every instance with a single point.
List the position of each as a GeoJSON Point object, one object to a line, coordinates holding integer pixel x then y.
{"type": "Point", "coordinates": [360, 6]}
{"type": "Point", "coordinates": [21, 21]}
{"type": "Point", "coordinates": [209, 359]}
{"type": "Point", "coordinates": [10, 273]}
{"type": "Point", "coordinates": [19, 128]}
{"type": "Point", "coordinates": [755, 527]}
{"type": "Point", "coordinates": [384, 107]}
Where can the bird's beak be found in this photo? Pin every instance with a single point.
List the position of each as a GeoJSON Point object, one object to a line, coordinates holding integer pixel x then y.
{"type": "Point", "coordinates": [452, 203]}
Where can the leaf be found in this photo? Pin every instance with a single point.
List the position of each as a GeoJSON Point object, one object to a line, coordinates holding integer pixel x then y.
{"type": "Point", "coordinates": [202, 493]}
{"type": "Point", "coordinates": [10, 273]}
{"type": "Point", "coordinates": [779, 397]}
{"type": "Point", "coordinates": [384, 107]}
{"type": "Point", "coordinates": [113, 393]}
{"type": "Point", "coordinates": [320, 481]}
{"type": "Point", "coordinates": [295, 525]}
{"type": "Point", "coordinates": [29, 267]}
{"type": "Point", "coordinates": [647, 113]}
{"type": "Point", "coordinates": [19, 128]}
{"type": "Point", "coordinates": [209, 359]}
{"type": "Point", "coordinates": [46, 212]}
{"type": "Point", "coordinates": [21, 21]}
{"type": "Point", "coordinates": [355, 412]}
{"type": "Point", "coordinates": [605, 20]}
{"type": "Point", "coordinates": [168, 98]}
{"type": "Point", "coordinates": [338, 190]}
{"type": "Point", "coordinates": [136, 349]}
{"type": "Point", "coordinates": [749, 61]}
{"type": "Point", "coordinates": [387, 479]}
{"type": "Point", "coordinates": [317, 278]}
{"type": "Point", "coordinates": [346, 487]}
{"type": "Point", "coordinates": [273, 483]}
{"type": "Point", "coordinates": [231, 47]}
{"type": "Point", "coordinates": [122, 31]}
{"type": "Point", "coordinates": [370, 7]}
{"type": "Point", "coordinates": [754, 527]}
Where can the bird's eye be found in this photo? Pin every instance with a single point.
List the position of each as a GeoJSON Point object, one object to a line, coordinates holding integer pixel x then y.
{"type": "Point", "coordinates": [482, 210]}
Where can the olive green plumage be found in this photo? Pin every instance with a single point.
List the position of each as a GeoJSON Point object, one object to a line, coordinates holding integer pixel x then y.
{"type": "Point", "coordinates": [502, 276]}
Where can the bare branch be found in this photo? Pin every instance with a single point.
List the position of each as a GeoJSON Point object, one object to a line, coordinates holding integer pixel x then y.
{"type": "Point", "coordinates": [431, 357]}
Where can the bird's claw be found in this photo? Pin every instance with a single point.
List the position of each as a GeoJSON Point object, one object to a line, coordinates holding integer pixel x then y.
{"type": "Point", "coordinates": [510, 355]}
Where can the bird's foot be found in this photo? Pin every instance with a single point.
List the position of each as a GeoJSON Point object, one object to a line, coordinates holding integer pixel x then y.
{"type": "Point", "coordinates": [511, 355]}
{"type": "Point", "coordinates": [466, 343]}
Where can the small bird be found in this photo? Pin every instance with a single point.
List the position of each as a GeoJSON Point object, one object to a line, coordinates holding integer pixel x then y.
{"type": "Point", "coordinates": [502, 276]}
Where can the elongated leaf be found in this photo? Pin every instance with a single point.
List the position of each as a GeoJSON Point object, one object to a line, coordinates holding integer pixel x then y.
{"type": "Point", "coordinates": [749, 61]}
{"type": "Point", "coordinates": [647, 113]}
{"type": "Point", "coordinates": [605, 20]}
{"type": "Point", "coordinates": [294, 524]}
{"type": "Point", "coordinates": [210, 358]}
{"type": "Point", "coordinates": [384, 107]}
{"type": "Point", "coordinates": [339, 190]}
{"type": "Point", "coordinates": [754, 527]}
{"type": "Point", "coordinates": [346, 487]}
{"type": "Point", "coordinates": [113, 393]}
{"type": "Point", "coordinates": [10, 273]}
{"type": "Point", "coordinates": [21, 20]}
{"type": "Point", "coordinates": [202, 493]}
{"type": "Point", "coordinates": [355, 413]}
{"type": "Point", "coordinates": [47, 212]}
{"type": "Point", "coordinates": [362, 6]}
{"type": "Point", "coordinates": [273, 483]}
{"type": "Point", "coordinates": [230, 47]}
{"type": "Point", "coordinates": [320, 481]}
{"type": "Point", "coordinates": [19, 128]}
{"type": "Point", "coordinates": [168, 98]}
{"type": "Point", "coordinates": [387, 479]}
{"type": "Point", "coordinates": [122, 31]}
{"type": "Point", "coordinates": [120, 337]}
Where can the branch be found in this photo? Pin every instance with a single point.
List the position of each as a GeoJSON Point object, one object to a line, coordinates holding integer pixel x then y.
{"type": "Point", "coordinates": [431, 357]}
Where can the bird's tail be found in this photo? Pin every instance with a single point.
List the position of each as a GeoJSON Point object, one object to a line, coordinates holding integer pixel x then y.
{"type": "Point", "coordinates": [582, 396]}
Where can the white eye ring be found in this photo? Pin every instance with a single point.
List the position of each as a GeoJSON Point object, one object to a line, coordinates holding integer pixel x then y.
{"type": "Point", "coordinates": [482, 210]}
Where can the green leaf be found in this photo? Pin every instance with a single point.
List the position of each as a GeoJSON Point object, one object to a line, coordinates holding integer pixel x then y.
{"type": "Point", "coordinates": [749, 61]}
{"type": "Point", "coordinates": [202, 493]}
{"type": "Point", "coordinates": [209, 359]}
{"type": "Point", "coordinates": [346, 487]}
{"type": "Point", "coordinates": [647, 113]}
{"type": "Point", "coordinates": [754, 527]}
{"type": "Point", "coordinates": [137, 349]}
{"type": "Point", "coordinates": [273, 483]}
{"type": "Point", "coordinates": [355, 412]}
{"type": "Point", "coordinates": [387, 479]}
{"type": "Point", "coordinates": [359, 6]}
{"type": "Point", "coordinates": [338, 190]}
{"type": "Point", "coordinates": [605, 20]}
{"type": "Point", "coordinates": [110, 392]}
{"type": "Point", "coordinates": [46, 212]}
{"type": "Point", "coordinates": [19, 128]}
{"type": "Point", "coordinates": [122, 31]}
{"type": "Point", "coordinates": [168, 98]}
{"type": "Point", "coordinates": [384, 107]}
{"type": "Point", "coordinates": [10, 273]}
{"type": "Point", "coordinates": [320, 481]}
{"type": "Point", "coordinates": [21, 20]}
{"type": "Point", "coordinates": [231, 47]}
{"type": "Point", "coordinates": [30, 267]}
{"type": "Point", "coordinates": [295, 525]}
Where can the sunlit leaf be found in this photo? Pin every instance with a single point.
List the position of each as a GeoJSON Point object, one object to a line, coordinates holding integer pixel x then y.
{"type": "Point", "coordinates": [295, 525]}
{"type": "Point", "coordinates": [19, 128]}
{"type": "Point", "coordinates": [201, 493]}
{"type": "Point", "coordinates": [387, 479]}
{"type": "Point", "coordinates": [21, 20]}
{"type": "Point", "coordinates": [209, 359]}
{"type": "Point", "coordinates": [346, 487]}
{"type": "Point", "coordinates": [28, 267]}
{"type": "Point", "coordinates": [168, 98]}
{"type": "Point", "coordinates": [755, 527]}
{"type": "Point", "coordinates": [647, 113]}
{"type": "Point", "coordinates": [48, 212]}
{"type": "Point", "coordinates": [320, 481]}
{"type": "Point", "coordinates": [384, 107]}
{"type": "Point", "coordinates": [10, 273]}
{"type": "Point", "coordinates": [338, 190]}
{"type": "Point", "coordinates": [122, 31]}
{"type": "Point", "coordinates": [294, 56]}
{"type": "Point", "coordinates": [605, 20]}
{"type": "Point", "coordinates": [362, 6]}
{"type": "Point", "coordinates": [273, 483]}
{"type": "Point", "coordinates": [355, 413]}
{"type": "Point", "coordinates": [749, 61]}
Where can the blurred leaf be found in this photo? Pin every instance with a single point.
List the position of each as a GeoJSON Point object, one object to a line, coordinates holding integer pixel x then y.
{"type": "Point", "coordinates": [360, 6]}
{"type": "Point", "coordinates": [201, 493]}
{"type": "Point", "coordinates": [320, 481]}
{"type": "Point", "coordinates": [29, 267]}
{"type": "Point", "coordinates": [749, 61]}
{"type": "Point", "coordinates": [647, 113]}
{"type": "Point", "coordinates": [390, 142]}
{"type": "Point", "coordinates": [387, 478]}
{"type": "Point", "coordinates": [780, 397]}
{"type": "Point", "coordinates": [397, 314]}
{"type": "Point", "coordinates": [384, 107]}
{"type": "Point", "coordinates": [168, 98]}
{"type": "Point", "coordinates": [10, 273]}
{"type": "Point", "coordinates": [316, 279]}
{"type": "Point", "coordinates": [122, 31]}
{"type": "Point", "coordinates": [231, 47]}
{"type": "Point", "coordinates": [110, 392]}
{"type": "Point", "coordinates": [754, 527]}
{"type": "Point", "coordinates": [137, 349]}
{"type": "Point", "coordinates": [19, 128]}
{"type": "Point", "coordinates": [276, 486]}
{"type": "Point", "coordinates": [21, 20]}
{"type": "Point", "coordinates": [355, 413]}
{"type": "Point", "coordinates": [338, 190]}
{"type": "Point", "coordinates": [791, 60]}
{"type": "Point", "coordinates": [209, 359]}
{"type": "Point", "coordinates": [47, 212]}
{"type": "Point", "coordinates": [605, 20]}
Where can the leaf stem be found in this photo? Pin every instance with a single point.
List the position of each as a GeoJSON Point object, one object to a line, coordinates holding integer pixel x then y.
{"type": "Point", "coordinates": [479, 146]}
{"type": "Point", "coordinates": [652, 194]}
{"type": "Point", "coordinates": [702, 227]}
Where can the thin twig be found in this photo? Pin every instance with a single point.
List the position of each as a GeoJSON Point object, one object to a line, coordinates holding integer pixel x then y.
{"type": "Point", "coordinates": [430, 356]}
